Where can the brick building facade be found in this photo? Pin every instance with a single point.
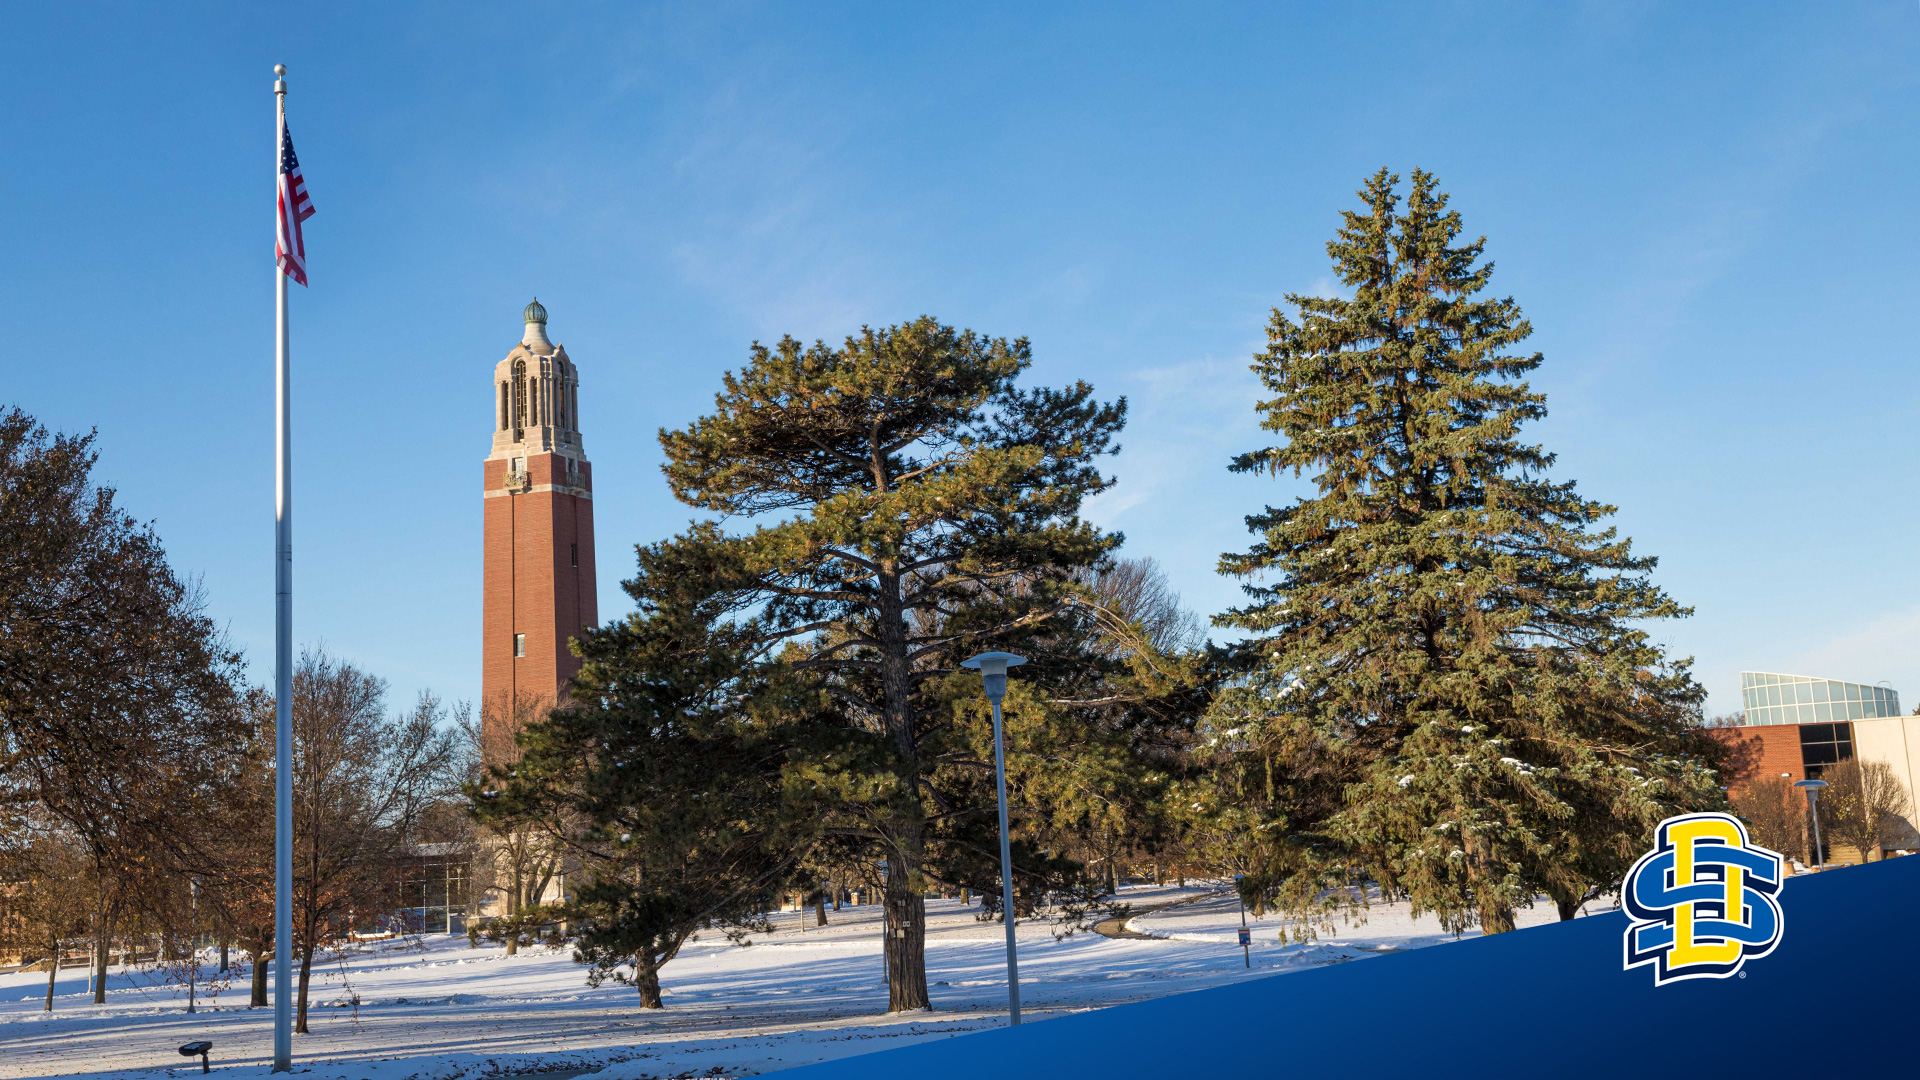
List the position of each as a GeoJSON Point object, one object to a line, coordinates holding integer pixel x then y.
{"type": "Point", "coordinates": [539, 586]}
{"type": "Point", "coordinates": [1782, 750]}
{"type": "Point", "coordinates": [1796, 752]}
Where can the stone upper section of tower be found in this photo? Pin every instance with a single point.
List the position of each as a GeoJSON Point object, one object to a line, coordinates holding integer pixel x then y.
{"type": "Point", "coordinates": [536, 392]}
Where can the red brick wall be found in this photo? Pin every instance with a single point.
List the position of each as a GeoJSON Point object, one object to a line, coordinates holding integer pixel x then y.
{"type": "Point", "coordinates": [532, 586]}
{"type": "Point", "coordinates": [1761, 751]}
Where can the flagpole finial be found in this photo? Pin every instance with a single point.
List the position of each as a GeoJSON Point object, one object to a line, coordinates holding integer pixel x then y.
{"type": "Point", "coordinates": [280, 78]}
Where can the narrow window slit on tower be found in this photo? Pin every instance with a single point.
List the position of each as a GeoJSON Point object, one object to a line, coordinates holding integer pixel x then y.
{"type": "Point", "coordinates": [519, 394]}
{"type": "Point", "coordinates": [519, 644]}
{"type": "Point", "coordinates": [574, 554]}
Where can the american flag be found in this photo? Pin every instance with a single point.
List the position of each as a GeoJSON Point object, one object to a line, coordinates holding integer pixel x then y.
{"type": "Point", "coordinates": [289, 251]}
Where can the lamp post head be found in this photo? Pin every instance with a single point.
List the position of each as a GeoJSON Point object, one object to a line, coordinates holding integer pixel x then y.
{"type": "Point", "coordinates": [1811, 785]}
{"type": "Point", "coordinates": [993, 670]}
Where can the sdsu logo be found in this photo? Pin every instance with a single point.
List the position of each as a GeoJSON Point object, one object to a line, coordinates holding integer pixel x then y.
{"type": "Point", "coordinates": [1703, 900]}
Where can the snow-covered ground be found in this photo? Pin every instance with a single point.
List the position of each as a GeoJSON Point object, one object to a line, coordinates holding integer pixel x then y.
{"type": "Point", "coordinates": [1216, 918]}
{"type": "Point", "coordinates": [440, 1010]}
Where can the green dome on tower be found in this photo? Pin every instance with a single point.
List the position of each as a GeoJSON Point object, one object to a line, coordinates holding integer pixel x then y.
{"type": "Point", "coordinates": [536, 313]}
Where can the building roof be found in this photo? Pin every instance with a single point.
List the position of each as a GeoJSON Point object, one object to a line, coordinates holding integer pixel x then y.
{"type": "Point", "coordinates": [1768, 698]}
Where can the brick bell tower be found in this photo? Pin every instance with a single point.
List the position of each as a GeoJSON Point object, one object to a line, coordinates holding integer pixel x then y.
{"type": "Point", "coordinates": [539, 588]}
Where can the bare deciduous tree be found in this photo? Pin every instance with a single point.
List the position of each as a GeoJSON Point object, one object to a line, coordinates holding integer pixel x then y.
{"type": "Point", "coordinates": [51, 891]}
{"type": "Point", "coordinates": [360, 781]}
{"type": "Point", "coordinates": [517, 859]}
{"type": "Point", "coordinates": [1774, 813]}
{"type": "Point", "coordinates": [1862, 804]}
{"type": "Point", "coordinates": [116, 691]}
{"type": "Point", "coordinates": [1136, 594]}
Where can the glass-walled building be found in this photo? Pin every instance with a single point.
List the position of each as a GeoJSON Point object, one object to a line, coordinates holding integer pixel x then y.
{"type": "Point", "coordinates": [1769, 699]}
{"type": "Point", "coordinates": [1797, 728]}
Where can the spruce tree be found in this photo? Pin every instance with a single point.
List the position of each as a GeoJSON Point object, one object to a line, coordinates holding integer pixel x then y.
{"type": "Point", "coordinates": [1447, 684]}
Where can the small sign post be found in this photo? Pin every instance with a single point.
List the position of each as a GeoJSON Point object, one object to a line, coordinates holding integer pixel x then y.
{"type": "Point", "coordinates": [1246, 939]}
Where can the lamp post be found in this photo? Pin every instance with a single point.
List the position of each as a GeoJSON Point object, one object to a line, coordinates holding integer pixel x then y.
{"type": "Point", "coordinates": [993, 672]}
{"type": "Point", "coordinates": [193, 938]}
{"type": "Point", "coordinates": [1813, 808]}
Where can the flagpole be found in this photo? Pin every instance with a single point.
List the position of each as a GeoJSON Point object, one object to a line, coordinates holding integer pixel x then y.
{"type": "Point", "coordinates": [282, 639]}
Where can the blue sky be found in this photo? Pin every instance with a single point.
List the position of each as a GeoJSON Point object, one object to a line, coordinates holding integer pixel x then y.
{"type": "Point", "coordinates": [1707, 211]}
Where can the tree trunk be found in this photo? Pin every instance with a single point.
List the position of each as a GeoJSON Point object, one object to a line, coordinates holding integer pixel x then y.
{"type": "Point", "coordinates": [513, 943]}
{"type": "Point", "coordinates": [103, 946]}
{"type": "Point", "coordinates": [906, 928]}
{"type": "Point", "coordinates": [1481, 869]}
{"type": "Point", "coordinates": [53, 972]}
{"type": "Point", "coordinates": [966, 896]}
{"type": "Point", "coordinates": [1495, 920]}
{"type": "Point", "coordinates": [646, 979]}
{"type": "Point", "coordinates": [306, 972]}
{"type": "Point", "coordinates": [1568, 906]}
{"type": "Point", "coordinates": [904, 907]}
{"type": "Point", "coordinates": [260, 962]}
{"type": "Point", "coordinates": [1157, 880]}
{"type": "Point", "coordinates": [537, 886]}
{"type": "Point", "coordinates": [820, 907]}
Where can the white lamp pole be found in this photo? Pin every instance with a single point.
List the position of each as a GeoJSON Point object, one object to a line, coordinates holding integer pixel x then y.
{"type": "Point", "coordinates": [1813, 808]}
{"type": "Point", "coordinates": [993, 672]}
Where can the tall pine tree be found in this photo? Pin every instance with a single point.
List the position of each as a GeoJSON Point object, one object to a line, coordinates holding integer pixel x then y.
{"type": "Point", "coordinates": [913, 505]}
{"type": "Point", "coordinates": [1446, 661]}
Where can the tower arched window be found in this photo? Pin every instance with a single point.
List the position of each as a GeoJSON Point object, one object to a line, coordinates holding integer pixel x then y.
{"type": "Point", "coordinates": [519, 394]}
